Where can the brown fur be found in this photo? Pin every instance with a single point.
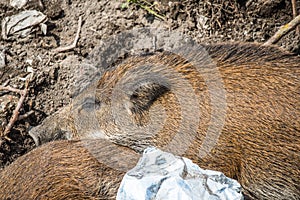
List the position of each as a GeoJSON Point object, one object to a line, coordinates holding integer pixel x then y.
{"type": "Point", "coordinates": [260, 141]}
{"type": "Point", "coordinates": [66, 170]}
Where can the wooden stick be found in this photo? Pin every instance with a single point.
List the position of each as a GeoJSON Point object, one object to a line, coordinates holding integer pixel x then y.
{"type": "Point", "coordinates": [21, 117]}
{"type": "Point", "coordinates": [294, 7]}
{"type": "Point", "coordinates": [74, 44]}
{"type": "Point", "coordinates": [283, 30]}
{"type": "Point", "coordinates": [15, 114]}
{"type": "Point", "coordinates": [8, 88]}
{"type": "Point", "coordinates": [5, 83]}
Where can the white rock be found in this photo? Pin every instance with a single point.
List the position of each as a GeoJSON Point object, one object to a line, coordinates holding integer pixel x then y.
{"type": "Point", "coordinates": [22, 24]}
{"type": "Point", "coordinates": [18, 3]}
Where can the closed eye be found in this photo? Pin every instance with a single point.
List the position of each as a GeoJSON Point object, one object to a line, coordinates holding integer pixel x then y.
{"type": "Point", "coordinates": [90, 104]}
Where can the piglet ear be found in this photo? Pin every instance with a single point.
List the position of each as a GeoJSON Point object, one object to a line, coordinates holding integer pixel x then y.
{"type": "Point", "coordinates": [144, 95]}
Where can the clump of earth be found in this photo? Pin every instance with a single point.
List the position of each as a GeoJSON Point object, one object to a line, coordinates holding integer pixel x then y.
{"type": "Point", "coordinates": [52, 75]}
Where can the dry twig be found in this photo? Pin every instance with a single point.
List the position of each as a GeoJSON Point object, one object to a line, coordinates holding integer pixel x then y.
{"type": "Point", "coordinates": [21, 117]}
{"type": "Point", "coordinates": [15, 114]}
{"type": "Point", "coordinates": [283, 30]}
{"type": "Point", "coordinates": [11, 89]}
{"type": "Point", "coordinates": [73, 45]}
{"type": "Point", "coordinates": [294, 7]}
{"type": "Point", "coordinates": [5, 83]}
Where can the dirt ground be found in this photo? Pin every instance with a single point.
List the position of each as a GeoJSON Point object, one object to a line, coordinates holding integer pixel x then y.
{"type": "Point", "coordinates": [52, 75]}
